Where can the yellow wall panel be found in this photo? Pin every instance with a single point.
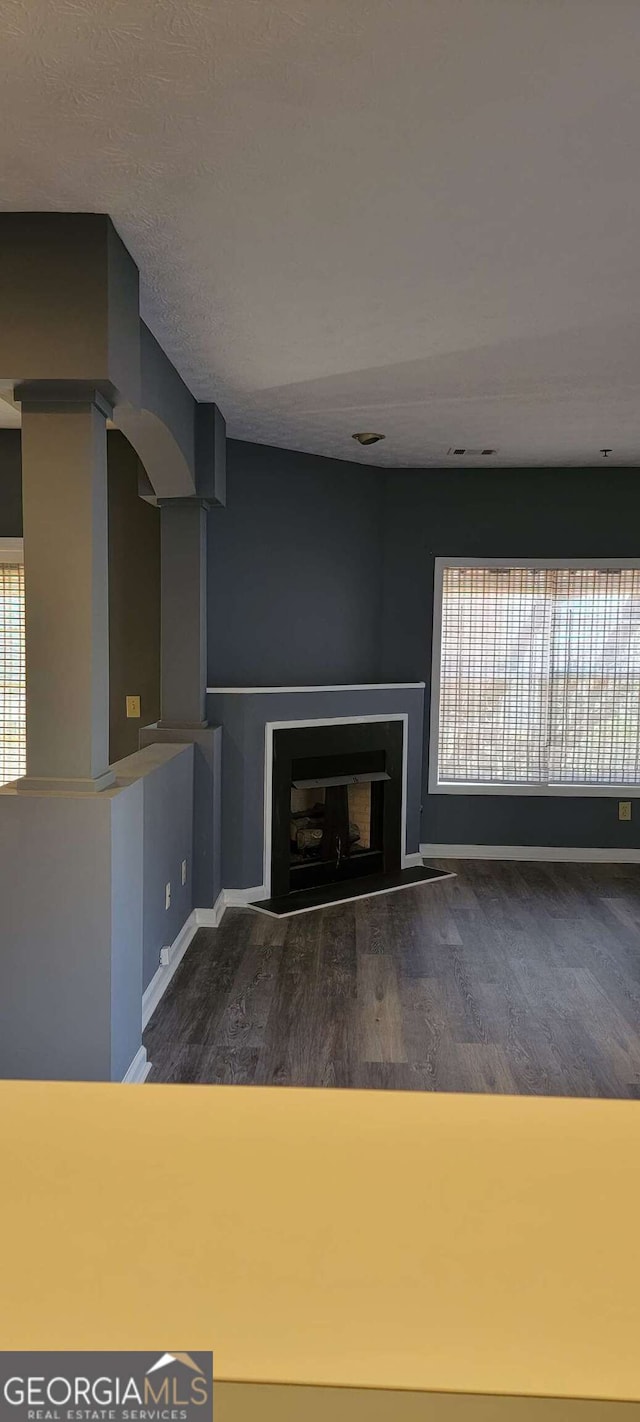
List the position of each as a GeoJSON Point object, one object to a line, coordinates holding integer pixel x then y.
{"type": "Point", "coordinates": [426, 1242]}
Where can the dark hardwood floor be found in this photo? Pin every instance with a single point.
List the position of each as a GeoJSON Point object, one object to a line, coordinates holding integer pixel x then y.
{"type": "Point", "coordinates": [512, 977]}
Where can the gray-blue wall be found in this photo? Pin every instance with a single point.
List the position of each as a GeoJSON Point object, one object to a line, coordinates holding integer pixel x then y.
{"type": "Point", "coordinates": [206, 878]}
{"type": "Point", "coordinates": [71, 905]}
{"type": "Point", "coordinates": [83, 917]}
{"type": "Point", "coordinates": [168, 839]}
{"type": "Point", "coordinates": [294, 571]}
{"type": "Point", "coordinates": [322, 572]}
{"type": "Point", "coordinates": [520, 513]}
{"type": "Point", "coordinates": [165, 772]}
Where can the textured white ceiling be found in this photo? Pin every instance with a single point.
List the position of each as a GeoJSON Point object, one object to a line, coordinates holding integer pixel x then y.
{"type": "Point", "coordinates": [419, 216]}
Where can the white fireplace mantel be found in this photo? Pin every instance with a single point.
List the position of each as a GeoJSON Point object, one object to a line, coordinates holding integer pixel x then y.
{"type": "Point", "coordinates": [249, 715]}
{"type": "Point", "coordinates": [345, 686]}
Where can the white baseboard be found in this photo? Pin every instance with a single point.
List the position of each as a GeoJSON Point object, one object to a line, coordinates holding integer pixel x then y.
{"type": "Point", "coordinates": [139, 1069]}
{"type": "Point", "coordinates": [163, 975]}
{"type": "Point", "coordinates": [239, 898]}
{"type": "Point", "coordinates": [412, 861]}
{"type": "Point", "coordinates": [198, 918]}
{"type": "Point", "coordinates": [550, 854]}
{"type": "Point", "coordinates": [211, 917]}
{"type": "Point", "coordinates": [228, 898]}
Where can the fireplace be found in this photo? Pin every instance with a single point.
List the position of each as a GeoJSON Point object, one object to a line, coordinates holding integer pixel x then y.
{"type": "Point", "coordinates": [340, 768]}
{"type": "Point", "coordinates": [336, 805]}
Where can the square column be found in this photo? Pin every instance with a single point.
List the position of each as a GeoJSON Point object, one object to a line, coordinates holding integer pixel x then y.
{"type": "Point", "coordinates": [64, 480]}
{"type": "Point", "coordinates": [183, 676]}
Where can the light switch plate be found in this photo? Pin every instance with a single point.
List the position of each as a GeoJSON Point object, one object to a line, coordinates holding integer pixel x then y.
{"type": "Point", "coordinates": [167, 896]}
{"type": "Point", "coordinates": [184, 871]}
{"type": "Point", "coordinates": [624, 809]}
{"type": "Point", "coordinates": [133, 708]}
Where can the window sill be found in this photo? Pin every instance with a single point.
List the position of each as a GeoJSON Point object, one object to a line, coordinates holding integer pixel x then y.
{"type": "Point", "coordinates": [611, 792]}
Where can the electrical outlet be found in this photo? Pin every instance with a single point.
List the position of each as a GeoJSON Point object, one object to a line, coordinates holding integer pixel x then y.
{"type": "Point", "coordinates": [164, 957]}
{"type": "Point", "coordinates": [133, 708]}
{"type": "Point", "coordinates": [184, 872]}
{"type": "Point", "coordinates": [624, 809]}
{"type": "Point", "coordinates": [167, 896]}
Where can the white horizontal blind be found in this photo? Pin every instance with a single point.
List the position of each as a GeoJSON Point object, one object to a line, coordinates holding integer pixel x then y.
{"type": "Point", "coordinates": [12, 679]}
{"type": "Point", "coordinates": [595, 677]}
{"type": "Point", "coordinates": [493, 675]}
{"type": "Point", "coordinates": [539, 676]}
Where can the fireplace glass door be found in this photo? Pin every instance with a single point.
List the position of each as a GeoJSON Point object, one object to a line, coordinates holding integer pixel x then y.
{"type": "Point", "coordinates": [336, 802]}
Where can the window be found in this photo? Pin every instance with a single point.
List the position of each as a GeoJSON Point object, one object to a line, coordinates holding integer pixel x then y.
{"type": "Point", "coordinates": [12, 684]}
{"type": "Point", "coordinates": [536, 677]}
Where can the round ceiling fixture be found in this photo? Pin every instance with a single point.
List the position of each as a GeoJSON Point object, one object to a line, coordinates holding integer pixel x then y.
{"type": "Point", "coordinates": [367, 437]}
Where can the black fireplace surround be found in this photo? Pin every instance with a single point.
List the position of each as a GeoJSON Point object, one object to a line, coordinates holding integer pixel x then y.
{"type": "Point", "coordinates": [336, 805]}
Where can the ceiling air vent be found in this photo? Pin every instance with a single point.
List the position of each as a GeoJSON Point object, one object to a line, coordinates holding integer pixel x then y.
{"type": "Point", "coordinates": [471, 451]}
